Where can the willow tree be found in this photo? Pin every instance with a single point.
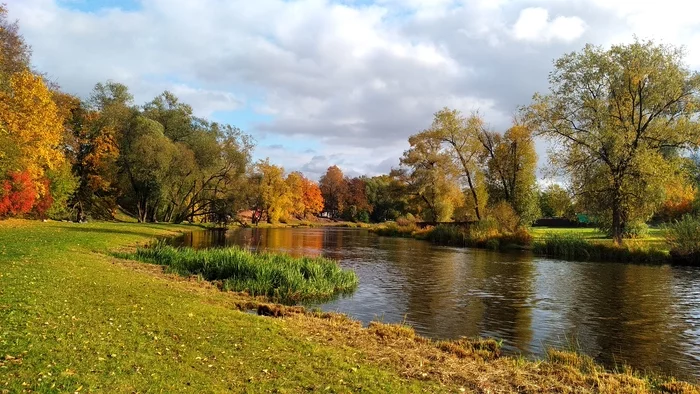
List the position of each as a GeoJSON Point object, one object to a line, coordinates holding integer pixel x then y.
{"type": "Point", "coordinates": [613, 115]}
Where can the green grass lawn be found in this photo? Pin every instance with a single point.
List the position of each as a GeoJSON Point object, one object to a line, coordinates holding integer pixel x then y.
{"type": "Point", "coordinates": [654, 236]}
{"type": "Point", "coordinates": [72, 318]}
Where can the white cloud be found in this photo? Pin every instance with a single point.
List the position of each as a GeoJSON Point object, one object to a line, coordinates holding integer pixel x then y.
{"type": "Point", "coordinates": [355, 78]}
{"type": "Point", "coordinates": [534, 24]}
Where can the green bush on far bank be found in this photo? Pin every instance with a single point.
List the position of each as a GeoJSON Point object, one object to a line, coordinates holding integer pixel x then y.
{"type": "Point", "coordinates": [683, 236]}
{"type": "Point", "coordinates": [278, 276]}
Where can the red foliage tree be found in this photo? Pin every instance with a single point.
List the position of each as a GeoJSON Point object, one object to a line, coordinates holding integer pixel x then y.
{"type": "Point", "coordinates": [17, 195]}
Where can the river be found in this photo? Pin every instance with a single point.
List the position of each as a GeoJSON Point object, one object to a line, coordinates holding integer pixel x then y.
{"type": "Point", "coordinates": [644, 316]}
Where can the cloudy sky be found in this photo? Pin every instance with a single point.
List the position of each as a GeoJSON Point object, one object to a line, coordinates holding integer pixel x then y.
{"type": "Point", "coordinates": [322, 82]}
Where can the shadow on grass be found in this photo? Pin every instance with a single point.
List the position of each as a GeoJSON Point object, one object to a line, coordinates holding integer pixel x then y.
{"type": "Point", "coordinates": [150, 234]}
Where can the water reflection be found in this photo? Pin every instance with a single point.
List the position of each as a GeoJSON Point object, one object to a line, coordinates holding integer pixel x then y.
{"type": "Point", "coordinates": [645, 316]}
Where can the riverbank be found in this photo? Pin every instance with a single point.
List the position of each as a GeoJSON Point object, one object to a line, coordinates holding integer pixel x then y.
{"type": "Point", "coordinates": [582, 244]}
{"type": "Point", "coordinates": [73, 318]}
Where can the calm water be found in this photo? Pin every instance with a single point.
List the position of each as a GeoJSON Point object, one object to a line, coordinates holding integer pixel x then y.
{"type": "Point", "coordinates": [645, 316]}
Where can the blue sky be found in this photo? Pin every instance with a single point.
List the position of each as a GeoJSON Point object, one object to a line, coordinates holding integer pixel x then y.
{"type": "Point", "coordinates": [320, 82]}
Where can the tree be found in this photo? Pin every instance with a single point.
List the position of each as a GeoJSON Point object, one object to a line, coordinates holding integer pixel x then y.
{"type": "Point", "coordinates": [461, 137]}
{"type": "Point", "coordinates": [334, 190]}
{"type": "Point", "coordinates": [512, 165]}
{"type": "Point", "coordinates": [145, 160]}
{"type": "Point", "coordinates": [313, 198]}
{"type": "Point", "coordinates": [295, 187]}
{"type": "Point", "coordinates": [387, 196]}
{"type": "Point", "coordinates": [356, 204]}
{"type": "Point", "coordinates": [433, 178]}
{"type": "Point", "coordinates": [274, 192]}
{"type": "Point", "coordinates": [679, 197]}
{"type": "Point", "coordinates": [613, 114]}
{"type": "Point", "coordinates": [31, 130]}
{"type": "Point", "coordinates": [15, 54]}
{"type": "Point", "coordinates": [555, 201]}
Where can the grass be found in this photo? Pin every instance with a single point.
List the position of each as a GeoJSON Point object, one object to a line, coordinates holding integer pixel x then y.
{"type": "Point", "coordinates": [280, 277]}
{"type": "Point", "coordinates": [74, 318]}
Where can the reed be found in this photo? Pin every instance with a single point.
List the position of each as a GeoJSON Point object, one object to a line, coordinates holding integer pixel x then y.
{"type": "Point", "coordinates": [280, 277]}
{"type": "Point", "coordinates": [573, 247]}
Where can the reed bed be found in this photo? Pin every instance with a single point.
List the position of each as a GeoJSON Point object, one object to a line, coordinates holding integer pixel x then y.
{"type": "Point", "coordinates": [280, 277]}
{"type": "Point", "coordinates": [572, 247]}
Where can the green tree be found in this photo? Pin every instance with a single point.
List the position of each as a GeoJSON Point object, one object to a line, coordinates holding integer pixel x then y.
{"type": "Point", "coordinates": [612, 115]}
{"type": "Point", "coordinates": [555, 201]}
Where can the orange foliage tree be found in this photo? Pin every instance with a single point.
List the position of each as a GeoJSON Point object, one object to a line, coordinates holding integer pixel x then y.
{"type": "Point", "coordinates": [680, 197]}
{"type": "Point", "coordinates": [313, 199]}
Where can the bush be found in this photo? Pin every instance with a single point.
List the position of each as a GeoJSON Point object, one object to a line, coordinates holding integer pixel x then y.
{"type": "Point", "coordinates": [506, 217]}
{"type": "Point", "coordinates": [683, 237]}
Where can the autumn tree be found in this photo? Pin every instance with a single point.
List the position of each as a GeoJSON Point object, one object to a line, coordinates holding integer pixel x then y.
{"type": "Point", "coordinates": [31, 134]}
{"type": "Point", "coordinates": [304, 196]}
{"type": "Point", "coordinates": [432, 178]}
{"type": "Point", "coordinates": [357, 207]}
{"type": "Point", "coordinates": [511, 163]}
{"type": "Point", "coordinates": [295, 189]}
{"type": "Point", "coordinates": [274, 192]}
{"type": "Point", "coordinates": [334, 190]}
{"type": "Point", "coordinates": [459, 141]}
{"type": "Point", "coordinates": [612, 114]}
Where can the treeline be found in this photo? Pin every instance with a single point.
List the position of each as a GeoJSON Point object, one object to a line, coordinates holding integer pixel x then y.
{"type": "Point", "coordinates": [62, 157]}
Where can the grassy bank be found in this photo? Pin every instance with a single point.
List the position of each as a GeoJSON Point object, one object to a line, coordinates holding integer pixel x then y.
{"type": "Point", "coordinates": [587, 244]}
{"type": "Point", "coordinates": [574, 247]}
{"type": "Point", "coordinates": [280, 277]}
{"type": "Point", "coordinates": [477, 236]}
{"type": "Point", "coordinates": [74, 318]}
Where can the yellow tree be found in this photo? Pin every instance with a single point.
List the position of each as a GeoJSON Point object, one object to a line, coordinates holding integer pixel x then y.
{"type": "Point", "coordinates": [274, 192]}
{"type": "Point", "coordinates": [30, 126]}
{"type": "Point", "coordinates": [295, 190]}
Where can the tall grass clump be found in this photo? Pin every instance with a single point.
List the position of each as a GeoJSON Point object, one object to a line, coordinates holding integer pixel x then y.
{"type": "Point", "coordinates": [683, 237]}
{"type": "Point", "coordinates": [573, 247]}
{"type": "Point", "coordinates": [280, 277]}
{"type": "Point", "coordinates": [394, 229]}
{"type": "Point", "coordinates": [484, 234]}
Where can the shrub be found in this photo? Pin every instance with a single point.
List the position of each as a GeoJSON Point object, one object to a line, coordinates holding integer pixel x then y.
{"type": "Point", "coordinates": [506, 217]}
{"type": "Point", "coordinates": [683, 237]}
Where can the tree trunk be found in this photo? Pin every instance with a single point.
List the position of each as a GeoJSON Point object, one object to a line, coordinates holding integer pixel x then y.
{"type": "Point", "coordinates": [476, 198]}
{"type": "Point", "coordinates": [617, 214]}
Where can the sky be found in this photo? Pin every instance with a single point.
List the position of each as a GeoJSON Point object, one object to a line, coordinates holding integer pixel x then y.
{"type": "Point", "coordinates": [346, 82]}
